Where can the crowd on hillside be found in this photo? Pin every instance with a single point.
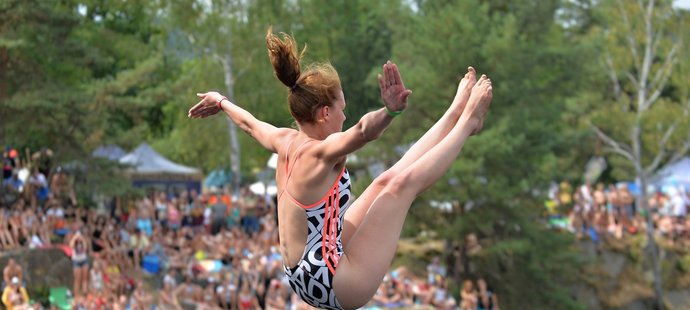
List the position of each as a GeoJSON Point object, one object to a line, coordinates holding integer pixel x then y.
{"type": "Point", "coordinates": [613, 211]}
{"type": "Point", "coordinates": [211, 250]}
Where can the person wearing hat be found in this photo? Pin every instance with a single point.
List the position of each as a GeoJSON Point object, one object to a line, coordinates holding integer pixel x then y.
{"type": "Point", "coordinates": [14, 296]}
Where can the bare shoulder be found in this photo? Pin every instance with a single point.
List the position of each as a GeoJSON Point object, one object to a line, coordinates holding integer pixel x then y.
{"type": "Point", "coordinates": [284, 136]}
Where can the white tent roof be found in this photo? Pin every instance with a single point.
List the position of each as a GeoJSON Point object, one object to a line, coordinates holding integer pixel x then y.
{"type": "Point", "coordinates": [272, 161]}
{"type": "Point", "coordinates": [675, 173]}
{"type": "Point", "coordinates": [144, 159]}
{"type": "Point", "coordinates": [260, 188]}
{"type": "Point", "coordinates": [111, 151]}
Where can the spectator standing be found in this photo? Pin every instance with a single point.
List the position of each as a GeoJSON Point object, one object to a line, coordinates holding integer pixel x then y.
{"type": "Point", "coordinates": [627, 201]}
{"type": "Point", "coordinates": [13, 187]}
{"type": "Point", "coordinates": [599, 197]}
{"type": "Point", "coordinates": [43, 160]}
{"type": "Point", "coordinates": [80, 263]}
{"type": "Point", "coordinates": [218, 214]}
{"type": "Point", "coordinates": [8, 162]}
{"type": "Point", "coordinates": [39, 183]}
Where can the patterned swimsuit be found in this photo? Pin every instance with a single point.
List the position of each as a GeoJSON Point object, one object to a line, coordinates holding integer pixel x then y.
{"type": "Point", "coordinates": [312, 278]}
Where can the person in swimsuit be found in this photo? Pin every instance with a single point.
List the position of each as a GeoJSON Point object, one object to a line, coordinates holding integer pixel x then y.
{"type": "Point", "coordinates": [80, 263]}
{"type": "Point", "coordinates": [336, 259]}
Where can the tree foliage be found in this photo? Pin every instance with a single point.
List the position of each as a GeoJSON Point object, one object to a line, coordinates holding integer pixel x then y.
{"type": "Point", "coordinates": [78, 74]}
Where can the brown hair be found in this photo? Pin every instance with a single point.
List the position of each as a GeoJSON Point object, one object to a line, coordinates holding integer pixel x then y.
{"type": "Point", "coordinates": [309, 91]}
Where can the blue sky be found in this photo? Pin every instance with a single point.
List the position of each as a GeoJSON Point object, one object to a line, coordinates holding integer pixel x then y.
{"type": "Point", "coordinates": [682, 4]}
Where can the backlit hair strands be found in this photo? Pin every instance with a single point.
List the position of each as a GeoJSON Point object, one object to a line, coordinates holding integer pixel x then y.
{"type": "Point", "coordinates": [309, 91]}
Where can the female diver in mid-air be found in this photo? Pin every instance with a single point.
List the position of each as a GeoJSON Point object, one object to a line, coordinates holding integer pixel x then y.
{"type": "Point", "coordinates": [336, 259]}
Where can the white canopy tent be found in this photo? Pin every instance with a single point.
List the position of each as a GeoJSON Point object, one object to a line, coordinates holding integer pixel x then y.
{"type": "Point", "coordinates": [145, 159]}
{"type": "Point", "coordinates": [674, 174]}
{"type": "Point", "coordinates": [147, 168]}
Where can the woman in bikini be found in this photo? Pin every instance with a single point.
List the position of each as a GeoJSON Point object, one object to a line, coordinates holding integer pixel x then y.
{"type": "Point", "coordinates": [80, 263]}
{"type": "Point", "coordinates": [335, 259]}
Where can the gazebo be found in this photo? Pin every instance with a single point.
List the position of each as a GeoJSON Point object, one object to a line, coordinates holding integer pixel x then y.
{"type": "Point", "coordinates": [148, 168]}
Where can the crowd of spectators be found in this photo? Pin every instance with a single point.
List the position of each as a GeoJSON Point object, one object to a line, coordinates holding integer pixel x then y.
{"type": "Point", "coordinates": [400, 288]}
{"type": "Point", "coordinates": [613, 211]}
{"type": "Point", "coordinates": [173, 250]}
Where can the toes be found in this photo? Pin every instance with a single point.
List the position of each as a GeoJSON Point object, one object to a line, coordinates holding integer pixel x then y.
{"type": "Point", "coordinates": [471, 71]}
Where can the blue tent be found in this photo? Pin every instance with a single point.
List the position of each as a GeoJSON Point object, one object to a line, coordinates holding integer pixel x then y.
{"type": "Point", "coordinates": [218, 178]}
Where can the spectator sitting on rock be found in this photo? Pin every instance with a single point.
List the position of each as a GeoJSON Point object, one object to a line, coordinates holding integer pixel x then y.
{"type": "Point", "coordinates": [139, 244]}
{"type": "Point", "coordinates": [441, 299]}
{"type": "Point", "coordinates": [488, 300]}
{"type": "Point", "coordinates": [187, 292]}
{"type": "Point", "coordinates": [167, 298]}
{"type": "Point", "coordinates": [6, 239]}
{"type": "Point", "coordinates": [468, 296]}
{"type": "Point", "coordinates": [141, 299]}
{"type": "Point", "coordinates": [16, 223]}
{"type": "Point", "coordinates": [11, 271]}
{"type": "Point", "coordinates": [62, 189]}
{"type": "Point", "coordinates": [14, 296]}
{"type": "Point", "coordinates": [226, 292]}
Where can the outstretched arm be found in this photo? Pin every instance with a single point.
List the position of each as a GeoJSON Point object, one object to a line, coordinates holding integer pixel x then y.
{"type": "Point", "coordinates": [372, 124]}
{"type": "Point", "coordinates": [266, 134]}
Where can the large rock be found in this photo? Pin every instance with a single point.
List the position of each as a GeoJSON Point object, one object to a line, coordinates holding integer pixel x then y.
{"type": "Point", "coordinates": [42, 267]}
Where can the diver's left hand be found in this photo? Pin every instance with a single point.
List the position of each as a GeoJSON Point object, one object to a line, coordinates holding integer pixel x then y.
{"type": "Point", "coordinates": [393, 91]}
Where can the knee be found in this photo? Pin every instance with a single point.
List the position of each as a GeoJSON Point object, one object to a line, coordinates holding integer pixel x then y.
{"type": "Point", "coordinates": [399, 183]}
{"type": "Point", "coordinates": [384, 178]}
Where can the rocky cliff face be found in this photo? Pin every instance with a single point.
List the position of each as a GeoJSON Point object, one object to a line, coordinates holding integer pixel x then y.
{"type": "Point", "coordinates": [619, 276]}
{"type": "Point", "coordinates": [43, 268]}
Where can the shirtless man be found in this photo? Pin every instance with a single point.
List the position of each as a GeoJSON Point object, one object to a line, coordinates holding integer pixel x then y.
{"type": "Point", "coordinates": [12, 270]}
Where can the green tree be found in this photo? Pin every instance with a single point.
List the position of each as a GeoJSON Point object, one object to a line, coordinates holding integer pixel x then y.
{"type": "Point", "coordinates": [78, 74]}
{"type": "Point", "coordinates": [529, 138]}
{"type": "Point", "coordinates": [645, 59]}
{"type": "Point", "coordinates": [357, 42]}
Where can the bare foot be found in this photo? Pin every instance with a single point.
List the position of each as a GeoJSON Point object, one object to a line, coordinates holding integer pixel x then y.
{"type": "Point", "coordinates": [478, 104]}
{"type": "Point", "coordinates": [464, 89]}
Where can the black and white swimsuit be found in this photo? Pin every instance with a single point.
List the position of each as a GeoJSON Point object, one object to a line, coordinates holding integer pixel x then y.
{"type": "Point", "coordinates": [312, 278]}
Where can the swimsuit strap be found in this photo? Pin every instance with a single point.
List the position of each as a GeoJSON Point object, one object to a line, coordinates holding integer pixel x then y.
{"type": "Point", "coordinates": [288, 168]}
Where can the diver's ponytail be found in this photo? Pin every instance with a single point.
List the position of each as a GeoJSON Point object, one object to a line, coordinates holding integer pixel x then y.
{"type": "Point", "coordinates": [284, 58]}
